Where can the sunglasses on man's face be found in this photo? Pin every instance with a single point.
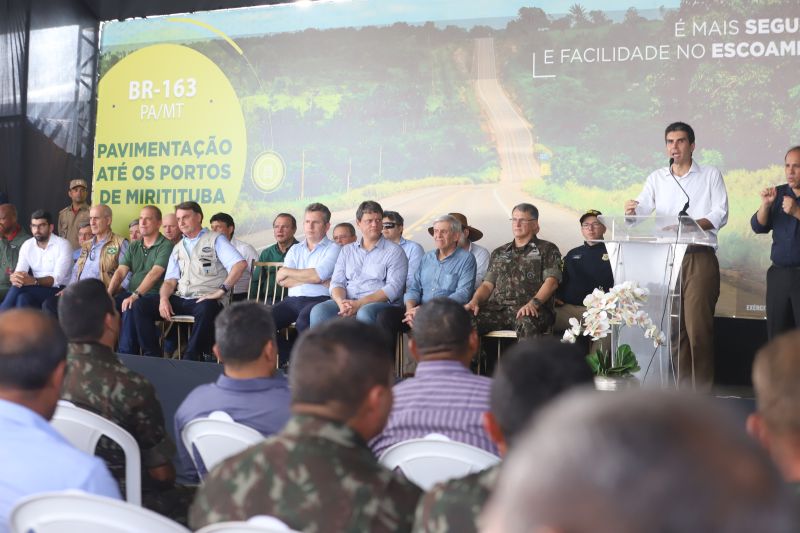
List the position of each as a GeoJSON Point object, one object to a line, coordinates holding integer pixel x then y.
{"type": "Point", "coordinates": [389, 225]}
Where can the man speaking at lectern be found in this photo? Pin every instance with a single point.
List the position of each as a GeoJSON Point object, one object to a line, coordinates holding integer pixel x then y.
{"type": "Point", "coordinates": [687, 188]}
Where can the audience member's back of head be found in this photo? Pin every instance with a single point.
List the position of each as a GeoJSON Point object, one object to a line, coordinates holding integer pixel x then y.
{"type": "Point", "coordinates": [636, 462]}
{"type": "Point", "coordinates": [82, 309]}
{"type": "Point", "coordinates": [530, 375]}
{"type": "Point", "coordinates": [337, 363]}
{"type": "Point", "coordinates": [442, 325]}
{"type": "Point", "coordinates": [31, 347]}
{"type": "Point", "coordinates": [776, 378]}
{"type": "Point", "coordinates": [242, 330]}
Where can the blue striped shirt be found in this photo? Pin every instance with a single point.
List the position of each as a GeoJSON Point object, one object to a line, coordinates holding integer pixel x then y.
{"type": "Point", "coordinates": [452, 277]}
{"type": "Point", "coordinates": [443, 397]}
{"type": "Point", "coordinates": [361, 272]}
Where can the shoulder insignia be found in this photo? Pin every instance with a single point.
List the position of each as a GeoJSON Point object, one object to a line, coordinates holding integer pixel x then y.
{"type": "Point", "coordinates": [111, 250]}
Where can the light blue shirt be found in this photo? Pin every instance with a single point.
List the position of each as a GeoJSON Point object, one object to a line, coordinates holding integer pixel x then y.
{"type": "Point", "coordinates": [322, 259]}
{"type": "Point", "coordinates": [414, 253]}
{"type": "Point", "coordinates": [91, 268]}
{"type": "Point", "coordinates": [35, 458]}
{"type": "Point", "coordinates": [226, 254]}
{"type": "Point", "coordinates": [361, 272]}
{"type": "Point", "coordinates": [453, 277]}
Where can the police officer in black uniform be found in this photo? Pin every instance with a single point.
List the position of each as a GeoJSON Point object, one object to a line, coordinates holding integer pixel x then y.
{"type": "Point", "coordinates": [585, 268]}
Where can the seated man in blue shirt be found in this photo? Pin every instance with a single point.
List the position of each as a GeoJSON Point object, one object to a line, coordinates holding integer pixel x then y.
{"type": "Point", "coordinates": [252, 391]}
{"type": "Point", "coordinates": [369, 275]}
{"type": "Point", "coordinates": [202, 269]}
{"type": "Point", "coordinates": [448, 271]}
{"type": "Point", "coordinates": [35, 457]}
{"type": "Point", "coordinates": [306, 272]}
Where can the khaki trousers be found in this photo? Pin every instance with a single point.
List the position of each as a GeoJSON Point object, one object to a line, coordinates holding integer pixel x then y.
{"type": "Point", "coordinates": [699, 294]}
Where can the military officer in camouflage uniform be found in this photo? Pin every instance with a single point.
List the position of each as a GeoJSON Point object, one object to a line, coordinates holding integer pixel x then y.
{"type": "Point", "coordinates": [318, 474]}
{"type": "Point", "coordinates": [517, 291]}
{"type": "Point", "coordinates": [531, 374]}
{"type": "Point", "coordinates": [96, 380]}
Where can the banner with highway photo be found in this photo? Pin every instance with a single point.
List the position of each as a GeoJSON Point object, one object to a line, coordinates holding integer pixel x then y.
{"type": "Point", "coordinates": [450, 105]}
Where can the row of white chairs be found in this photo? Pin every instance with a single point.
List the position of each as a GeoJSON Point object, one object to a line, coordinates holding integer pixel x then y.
{"type": "Point", "coordinates": [425, 462]}
{"type": "Point", "coordinates": [74, 511]}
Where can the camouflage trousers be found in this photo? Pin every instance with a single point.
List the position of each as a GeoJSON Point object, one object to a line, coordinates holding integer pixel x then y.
{"type": "Point", "coordinates": [494, 317]}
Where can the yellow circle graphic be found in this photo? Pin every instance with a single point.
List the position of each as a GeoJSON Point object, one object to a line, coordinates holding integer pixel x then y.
{"type": "Point", "coordinates": [269, 170]}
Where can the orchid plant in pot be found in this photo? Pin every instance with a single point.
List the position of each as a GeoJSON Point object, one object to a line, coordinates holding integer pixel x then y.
{"type": "Point", "coordinates": [607, 312]}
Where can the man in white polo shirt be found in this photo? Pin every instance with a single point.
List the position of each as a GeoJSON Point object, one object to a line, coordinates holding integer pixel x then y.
{"type": "Point", "coordinates": [48, 257]}
{"type": "Point", "coordinates": [306, 272]}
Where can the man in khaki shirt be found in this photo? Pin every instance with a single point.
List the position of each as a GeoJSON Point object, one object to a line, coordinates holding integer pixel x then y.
{"type": "Point", "coordinates": [70, 218]}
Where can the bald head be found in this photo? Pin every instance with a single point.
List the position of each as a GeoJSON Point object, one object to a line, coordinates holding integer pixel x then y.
{"type": "Point", "coordinates": [638, 461]}
{"type": "Point", "coordinates": [8, 219]}
{"type": "Point", "coordinates": [31, 347]}
{"type": "Point", "coordinates": [100, 220]}
{"type": "Point", "coordinates": [776, 378]}
{"type": "Point", "coordinates": [169, 225]}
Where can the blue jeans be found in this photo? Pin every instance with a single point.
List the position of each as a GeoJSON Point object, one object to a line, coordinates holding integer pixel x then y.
{"type": "Point", "coordinates": [327, 310]}
{"type": "Point", "coordinates": [27, 296]}
{"type": "Point", "coordinates": [293, 309]}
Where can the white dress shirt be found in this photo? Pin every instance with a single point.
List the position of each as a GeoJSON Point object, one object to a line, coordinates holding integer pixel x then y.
{"type": "Point", "coordinates": [249, 253]}
{"type": "Point", "coordinates": [708, 197]}
{"type": "Point", "coordinates": [54, 260]}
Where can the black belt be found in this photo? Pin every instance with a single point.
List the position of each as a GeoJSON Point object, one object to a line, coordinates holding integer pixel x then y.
{"type": "Point", "coordinates": [699, 248]}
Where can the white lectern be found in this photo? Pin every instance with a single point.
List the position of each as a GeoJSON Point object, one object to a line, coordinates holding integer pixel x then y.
{"type": "Point", "coordinates": [649, 250]}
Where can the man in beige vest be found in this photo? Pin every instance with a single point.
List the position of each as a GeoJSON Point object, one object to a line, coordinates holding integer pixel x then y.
{"type": "Point", "coordinates": [99, 256]}
{"type": "Point", "coordinates": [202, 269]}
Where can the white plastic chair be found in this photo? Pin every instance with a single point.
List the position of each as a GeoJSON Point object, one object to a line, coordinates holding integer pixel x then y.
{"type": "Point", "coordinates": [74, 511]}
{"type": "Point", "coordinates": [217, 437]}
{"type": "Point", "coordinates": [84, 428]}
{"type": "Point", "coordinates": [436, 458]}
{"type": "Point", "coordinates": [256, 524]}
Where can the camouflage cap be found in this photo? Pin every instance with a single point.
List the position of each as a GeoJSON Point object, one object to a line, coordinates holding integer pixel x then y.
{"type": "Point", "coordinates": [78, 183]}
{"type": "Point", "coordinates": [590, 213]}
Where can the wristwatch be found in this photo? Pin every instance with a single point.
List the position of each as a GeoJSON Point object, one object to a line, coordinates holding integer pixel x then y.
{"type": "Point", "coordinates": [224, 288]}
{"type": "Point", "coordinates": [537, 303]}
{"type": "Point", "coordinates": [136, 293]}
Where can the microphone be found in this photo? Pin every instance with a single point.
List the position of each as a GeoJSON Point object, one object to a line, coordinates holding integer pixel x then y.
{"type": "Point", "coordinates": [683, 212]}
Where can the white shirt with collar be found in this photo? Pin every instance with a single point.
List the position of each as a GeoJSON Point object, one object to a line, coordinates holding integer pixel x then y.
{"type": "Point", "coordinates": [54, 260]}
{"type": "Point", "coordinates": [705, 187]}
{"type": "Point", "coordinates": [249, 253]}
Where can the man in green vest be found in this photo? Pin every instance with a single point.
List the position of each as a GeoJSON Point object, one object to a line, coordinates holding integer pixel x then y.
{"type": "Point", "coordinates": [12, 235]}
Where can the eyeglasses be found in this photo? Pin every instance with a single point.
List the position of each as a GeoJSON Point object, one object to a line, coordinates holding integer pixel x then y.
{"type": "Point", "coordinates": [389, 225]}
{"type": "Point", "coordinates": [590, 225]}
{"type": "Point", "coordinates": [522, 220]}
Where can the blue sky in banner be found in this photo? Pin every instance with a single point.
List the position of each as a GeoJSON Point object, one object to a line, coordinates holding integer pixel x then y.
{"type": "Point", "coordinates": [352, 13]}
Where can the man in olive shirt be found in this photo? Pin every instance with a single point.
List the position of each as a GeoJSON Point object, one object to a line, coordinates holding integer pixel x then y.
{"type": "Point", "coordinates": [11, 238]}
{"type": "Point", "coordinates": [71, 217]}
{"type": "Point", "coordinates": [284, 227]}
{"type": "Point", "coordinates": [146, 261]}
